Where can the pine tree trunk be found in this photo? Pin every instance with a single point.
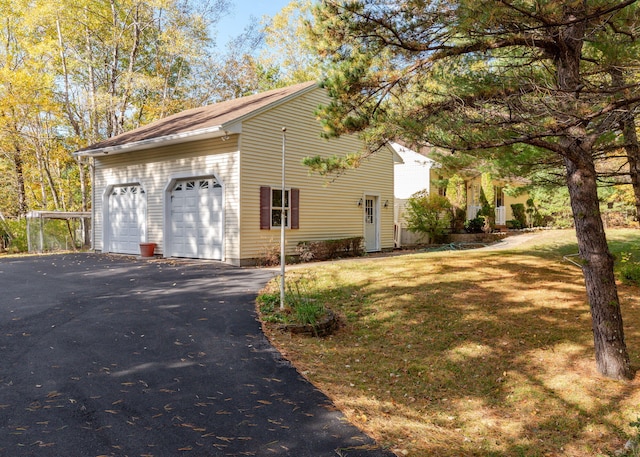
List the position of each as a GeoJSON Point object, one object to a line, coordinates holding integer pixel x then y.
{"type": "Point", "coordinates": [633, 156]}
{"type": "Point", "coordinates": [612, 359]}
{"type": "Point", "coordinates": [632, 146]}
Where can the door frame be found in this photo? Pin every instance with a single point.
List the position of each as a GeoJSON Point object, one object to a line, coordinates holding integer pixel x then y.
{"type": "Point", "coordinates": [376, 222]}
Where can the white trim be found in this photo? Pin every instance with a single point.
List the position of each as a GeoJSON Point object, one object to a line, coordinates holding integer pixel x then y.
{"type": "Point", "coordinates": [184, 137]}
{"type": "Point", "coordinates": [287, 208]}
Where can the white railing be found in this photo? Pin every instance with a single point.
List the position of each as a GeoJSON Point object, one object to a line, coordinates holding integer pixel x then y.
{"type": "Point", "coordinates": [501, 213]}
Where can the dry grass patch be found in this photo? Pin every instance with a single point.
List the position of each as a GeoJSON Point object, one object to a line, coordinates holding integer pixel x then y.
{"type": "Point", "coordinates": [474, 353]}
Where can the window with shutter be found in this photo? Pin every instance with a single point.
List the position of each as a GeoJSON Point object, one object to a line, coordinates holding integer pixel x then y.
{"type": "Point", "coordinates": [272, 206]}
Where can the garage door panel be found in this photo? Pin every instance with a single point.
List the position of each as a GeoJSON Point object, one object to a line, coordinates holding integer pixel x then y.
{"type": "Point", "coordinates": [126, 213]}
{"type": "Point", "coordinates": [196, 219]}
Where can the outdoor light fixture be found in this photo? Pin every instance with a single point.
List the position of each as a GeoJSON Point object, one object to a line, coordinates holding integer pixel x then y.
{"type": "Point", "coordinates": [360, 202]}
{"type": "Point", "coordinates": [226, 136]}
{"type": "Point", "coordinates": [386, 203]}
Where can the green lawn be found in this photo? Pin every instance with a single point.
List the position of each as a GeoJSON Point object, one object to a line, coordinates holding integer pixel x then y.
{"type": "Point", "coordinates": [472, 353]}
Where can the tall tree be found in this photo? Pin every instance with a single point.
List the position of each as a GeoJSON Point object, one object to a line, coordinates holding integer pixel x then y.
{"type": "Point", "coordinates": [488, 77]}
{"type": "Point", "coordinates": [75, 72]}
{"type": "Point", "coordinates": [288, 46]}
{"type": "Point", "coordinates": [237, 72]}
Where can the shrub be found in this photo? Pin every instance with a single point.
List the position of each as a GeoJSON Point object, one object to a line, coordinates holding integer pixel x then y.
{"type": "Point", "coordinates": [630, 273]}
{"type": "Point", "coordinates": [428, 214]}
{"type": "Point", "coordinates": [270, 256]}
{"type": "Point", "coordinates": [457, 196]}
{"type": "Point", "coordinates": [514, 224]}
{"type": "Point", "coordinates": [14, 233]}
{"type": "Point", "coordinates": [330, 249]}
{"type": "Point", "coordinates": [475, 225]}
{"type": "Point", "coordinates": [519, 215]}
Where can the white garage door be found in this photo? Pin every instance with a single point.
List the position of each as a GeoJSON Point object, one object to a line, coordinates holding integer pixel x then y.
{"type": "Point", "coordinates": [127, 210]}
{"type": "Point", "coordinates": [196, 219]}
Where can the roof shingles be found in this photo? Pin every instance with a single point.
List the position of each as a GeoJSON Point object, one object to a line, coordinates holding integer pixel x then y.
{"type": "Point", "coordinates": [198, 119]}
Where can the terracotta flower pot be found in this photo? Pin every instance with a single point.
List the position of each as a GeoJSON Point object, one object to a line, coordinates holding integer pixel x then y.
{"type": "Point", "coordinates": [147, 249]}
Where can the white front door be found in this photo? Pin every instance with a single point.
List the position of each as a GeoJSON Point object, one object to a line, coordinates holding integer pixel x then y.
{"type": "Point", "coordinates": [196, 219]}
{"type": "Point", "coordinates": [371, 224]}
{"type": "Point", "coordinates": [127, 219]}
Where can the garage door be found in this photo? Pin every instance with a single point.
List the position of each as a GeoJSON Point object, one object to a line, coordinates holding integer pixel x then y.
{"type": "Point", "coordinates": [127, 210]}
{"type": "Point", "coordinates": [196, 219]}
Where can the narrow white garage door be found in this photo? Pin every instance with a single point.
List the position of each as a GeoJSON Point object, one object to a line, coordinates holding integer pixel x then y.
{"type": "Point", "coordinates": [196, 219]}
{"type": "Point", "coordinates": [127, 210]}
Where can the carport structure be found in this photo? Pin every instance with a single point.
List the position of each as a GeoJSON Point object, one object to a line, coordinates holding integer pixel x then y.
{"type": "Point", "coordinates": [41, 236]}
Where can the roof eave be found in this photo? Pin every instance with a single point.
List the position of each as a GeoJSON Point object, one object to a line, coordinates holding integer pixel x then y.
{"type": "Point", "coordinates": [167, 140]}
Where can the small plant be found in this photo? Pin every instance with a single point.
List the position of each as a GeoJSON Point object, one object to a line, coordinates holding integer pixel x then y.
{"type": "Point", "coordinates": [632, 446]}
{"type": "Point", "coordinates": [629, 270]}
{"type": "Point", "coordinates": [301, 300]}
{"type": "Point", "coordinates": [299, 297]}
{"type": "Point", "coordinates": [270, 255]}
{"type": "Point", "coordinates": [308, 312]}
{"type": "Point", "coordinates": [305, 252]}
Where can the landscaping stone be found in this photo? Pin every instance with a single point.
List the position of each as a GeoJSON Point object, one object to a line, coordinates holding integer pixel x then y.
{"type": "Point", "coordinates": [324, 327]}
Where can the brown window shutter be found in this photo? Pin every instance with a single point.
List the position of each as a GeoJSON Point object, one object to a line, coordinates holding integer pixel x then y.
{"type": "Point", "coordinates": [295, 208]}
{"type": "Point", "coordinates": [265, 208]}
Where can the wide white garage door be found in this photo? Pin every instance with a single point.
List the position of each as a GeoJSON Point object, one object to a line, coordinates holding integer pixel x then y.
{"type": "Point", "coordinates": [127, 210]}
{"type": "Point", "coordinates": [196, 219]}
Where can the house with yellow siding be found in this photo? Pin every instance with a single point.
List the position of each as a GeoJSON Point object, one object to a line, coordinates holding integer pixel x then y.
{"type": "Point", "coordinates": [416, 172]}
{"type": "Point", "coordinates": [206, 183]}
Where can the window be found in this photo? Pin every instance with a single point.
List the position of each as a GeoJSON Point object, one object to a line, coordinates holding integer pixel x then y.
{"type": "Point", "coordinates": [277, 206]}
{"type": "Point", "coordinates": [368, 207]}
{"type": "Point", "coordinates": [271, 206]}
{"type": "Point", "coordinates": [499, 196]}
{"type": "Point", "coordinates": [203, 184]}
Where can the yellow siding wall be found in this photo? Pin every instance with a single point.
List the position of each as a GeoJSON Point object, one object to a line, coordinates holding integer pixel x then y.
{"type": "Point", "coordinates": [328, 209]}
{"type": "Point", "coordinates": [154, 168]}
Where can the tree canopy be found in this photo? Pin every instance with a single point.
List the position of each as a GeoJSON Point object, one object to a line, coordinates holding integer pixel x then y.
{"type": "Point", "coordinates": [75, 72]}
{"type": "Point", "coordinates": [498, 80]}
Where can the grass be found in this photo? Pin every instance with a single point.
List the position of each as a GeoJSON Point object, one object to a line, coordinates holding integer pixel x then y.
{"type": "Point", "coordinates": [472, 353]}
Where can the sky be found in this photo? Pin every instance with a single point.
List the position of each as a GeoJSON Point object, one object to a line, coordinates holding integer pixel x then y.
{"type": "Point", "coordinates": [234, 24]}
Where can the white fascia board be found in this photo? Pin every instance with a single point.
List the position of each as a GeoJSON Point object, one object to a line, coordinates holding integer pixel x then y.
{"type": "Point", "coordinates": [184, 137]}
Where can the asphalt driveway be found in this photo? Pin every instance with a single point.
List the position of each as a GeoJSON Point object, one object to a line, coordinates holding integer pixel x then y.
{"type": "Point", "coordinates": [116, 356]}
